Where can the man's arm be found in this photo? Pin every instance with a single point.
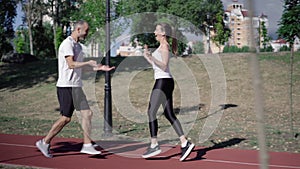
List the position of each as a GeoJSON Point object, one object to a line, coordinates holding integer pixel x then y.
{"type": "Point", "coordinates": [73, 64]}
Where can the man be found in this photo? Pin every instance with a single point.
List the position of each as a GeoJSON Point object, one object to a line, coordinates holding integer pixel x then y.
{"type": "Point", "coordinates": [69, 89]}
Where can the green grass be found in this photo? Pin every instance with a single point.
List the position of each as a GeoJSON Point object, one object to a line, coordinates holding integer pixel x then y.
{"type": "Point", "coordinates": [281, 57]}
{"type": "Point", "coordinates": [26, 126]}
{"type": "Point", "coordinates": [29, 104]}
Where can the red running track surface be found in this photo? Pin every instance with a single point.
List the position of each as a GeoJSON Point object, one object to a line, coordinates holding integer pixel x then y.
{"type": "Point", "coordinates": [20, 150]}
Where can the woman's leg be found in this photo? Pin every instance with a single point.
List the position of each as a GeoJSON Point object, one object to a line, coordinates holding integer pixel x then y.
{"type": "Point", "coordinates": [186, 146]}
{"type": "Point", "coordinates": [156, 99]}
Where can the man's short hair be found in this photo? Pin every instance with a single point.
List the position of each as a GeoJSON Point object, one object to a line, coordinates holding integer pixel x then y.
{"type": "Point", "coordinates": [79, 23]}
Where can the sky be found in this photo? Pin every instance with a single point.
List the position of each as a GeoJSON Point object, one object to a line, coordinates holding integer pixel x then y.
{"type": "Point", "coordinates": [272, 8]}
{"type": "Point", "coordinates": [18, 18]}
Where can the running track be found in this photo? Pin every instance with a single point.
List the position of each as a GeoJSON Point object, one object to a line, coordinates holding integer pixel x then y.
{"type": "Point", "coordinates": [19, 150]}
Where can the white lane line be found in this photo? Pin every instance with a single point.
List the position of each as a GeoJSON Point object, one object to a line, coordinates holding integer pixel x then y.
{"type": "Point", "coordinates": [253, 164]}
{"type": "Point", "coordinates": [208, 160]}
{"type": "Point", "coordinates": [17, 145]}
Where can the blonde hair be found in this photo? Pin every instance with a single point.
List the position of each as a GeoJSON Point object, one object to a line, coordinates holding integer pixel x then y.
{"type": "Point", "coordinates": [169, 33]}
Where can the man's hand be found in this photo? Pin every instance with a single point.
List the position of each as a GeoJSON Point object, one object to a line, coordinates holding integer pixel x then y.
{"type": "Point", "coordinates": [92, 63]}
{"type": "Point", "coordinates": [103, 68]}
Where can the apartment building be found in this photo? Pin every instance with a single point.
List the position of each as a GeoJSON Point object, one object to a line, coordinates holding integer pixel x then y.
{"type": "Point", "coordinates": [238, 20]}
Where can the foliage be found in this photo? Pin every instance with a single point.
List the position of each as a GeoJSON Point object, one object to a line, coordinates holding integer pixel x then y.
{"type": "Point", "coordinates": [235, 49]}
{"type": "Point", "coordinates": [7, 15]}
{"type": "Point", "coordinates": [267, 49]}
{"type": "Point", "coordinates": [20, 44]}
{"type": "Point", "coordinates": [59, 37]}
{"type": "Point", "coordinates": [264, 33]}
{"type": "Point", "coordinates": [289, 26]}
{"type": "Point", "coordinates": [192, 12]}
{"type": "Point", "coordinates": [222, 33]}
{"type": "Point", "coordinates": [43, 41]}
{"type": "Point", "coordinates": [284, 48]}
{"type": "Point", "coordinates": [34, 11]}
{"type": "Point", "coordinates": [92, 11]}
{"type": "Point", "coordinates": [198, 48]}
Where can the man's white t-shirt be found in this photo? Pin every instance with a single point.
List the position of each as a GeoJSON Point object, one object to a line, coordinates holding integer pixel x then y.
{"type": "Point", "coordinates": [69, 77]}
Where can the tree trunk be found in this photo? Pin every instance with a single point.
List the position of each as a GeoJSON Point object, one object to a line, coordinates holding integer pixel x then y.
{"type": "Point", "coordinates": [30, 39]}
{"type": "Point", "coordinates": [54, 40]}
{"type": "Point", "coordinates": [29, 21]}
{"type": "Point", "coordinates": [291, 90]}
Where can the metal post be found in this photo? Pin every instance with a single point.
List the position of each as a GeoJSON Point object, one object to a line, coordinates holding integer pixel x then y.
{"type": "Point", "coordinates": [208, 34]}
{"type": "Point", "coordinates": [107, 99]}
{"type": "Point", "coordinates": [258, 98]}
{"type": "Point", "coordinates": [209, 48]}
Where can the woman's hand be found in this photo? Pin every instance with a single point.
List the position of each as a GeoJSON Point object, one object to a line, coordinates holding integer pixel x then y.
{"type": "Point", "coordinates": [147, 54]}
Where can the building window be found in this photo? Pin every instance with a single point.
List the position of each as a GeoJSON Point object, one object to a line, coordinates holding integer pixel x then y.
{"type": "Point", "coordinates": [238, 28]}
{"type": "Point", "coordinates": [238, 38]}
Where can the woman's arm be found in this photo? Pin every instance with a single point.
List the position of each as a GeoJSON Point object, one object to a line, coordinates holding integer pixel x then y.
{"type": "Point", "coordinates": [147, 54]}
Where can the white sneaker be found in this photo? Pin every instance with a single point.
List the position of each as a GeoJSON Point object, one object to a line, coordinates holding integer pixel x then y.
{"type": "Point", "coordinates": [44, 148]}
{"type": "Point", "coordinates": [89, 150]}
{"type": "Point", "coordinates": [95, 145]}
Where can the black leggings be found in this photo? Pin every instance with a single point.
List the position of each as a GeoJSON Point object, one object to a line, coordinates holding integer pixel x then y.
{"type": "Point", "coordinates": [162, 94]}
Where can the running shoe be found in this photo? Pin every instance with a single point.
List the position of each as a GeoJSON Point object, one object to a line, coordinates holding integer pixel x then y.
{"type": "Point", "coordinates": [44, 148]}
{"type": "Point", "coordinates": [89, 150]}
{"type": "Point", "coordinates": [186, 151]}
{"type": "Point", "coordinates": [152, 152]}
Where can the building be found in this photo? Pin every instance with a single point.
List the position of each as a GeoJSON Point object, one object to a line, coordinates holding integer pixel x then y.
{"type": "Point", "coordinates": [239, 22]}
{"type": "Point", "coordinates": [279, 43]}
{"type": "Point", "coordinates": [130, 50]}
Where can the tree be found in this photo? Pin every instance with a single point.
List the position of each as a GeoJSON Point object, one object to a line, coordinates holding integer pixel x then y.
{"type": "Point", "coordinates": [7, 15]}
{"type": "Point", "coordinates": [193, 11]}
{"type": "Point", "coordinates": [93, 11]}
{"type": "Point", "coordinates": [34, 11]}
{"type": "Point", "coordinates": [222, 33]}
{"type": "Point", "coordinates": [263, 32]}
{"type": "Point", "coordinates": [61, 12]}
{"type": "Point", "coordinates": [289, 29]}
{"type": "Point", "coordinates": [19, 41]}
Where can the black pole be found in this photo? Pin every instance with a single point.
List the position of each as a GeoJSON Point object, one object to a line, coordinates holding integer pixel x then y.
{"type": "Point", "coordinates": [107, 99]}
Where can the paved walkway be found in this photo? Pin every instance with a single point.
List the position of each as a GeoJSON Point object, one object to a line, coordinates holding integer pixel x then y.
{"type": "Point", "coordinates": [20, 150]}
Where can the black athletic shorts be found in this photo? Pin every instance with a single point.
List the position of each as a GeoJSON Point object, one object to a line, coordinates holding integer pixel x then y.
{"type": "Point", "coordinates": [71, 98]}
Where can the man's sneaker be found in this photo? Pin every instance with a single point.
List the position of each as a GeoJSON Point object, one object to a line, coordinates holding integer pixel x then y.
{"type": "Point", "coordinates": [152, 152]}
{"type": "Point", "coordinates": [44, 148]}
{"type": "Point", "coordinates": [95, 145]}
{"type": "Point", "coordinates": [186, 151]}
{"type": "Point", "coordinates": [89, 150]}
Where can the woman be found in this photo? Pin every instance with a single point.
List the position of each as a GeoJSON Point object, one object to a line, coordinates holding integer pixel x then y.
{"type": "Point", "coordinates": [162, 92]}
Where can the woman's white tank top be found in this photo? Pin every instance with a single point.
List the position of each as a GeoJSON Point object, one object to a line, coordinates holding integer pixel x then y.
{"type": "Point", "coordinates": [158, 72]}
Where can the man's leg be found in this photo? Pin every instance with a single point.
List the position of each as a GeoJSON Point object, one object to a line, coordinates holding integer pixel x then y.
{"type": "Point", "coordinates": [86, 123]}
{"type": "Point", "coordinates": [56, 128]}
{"type": "Point", "coordinates": [44, 144]}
